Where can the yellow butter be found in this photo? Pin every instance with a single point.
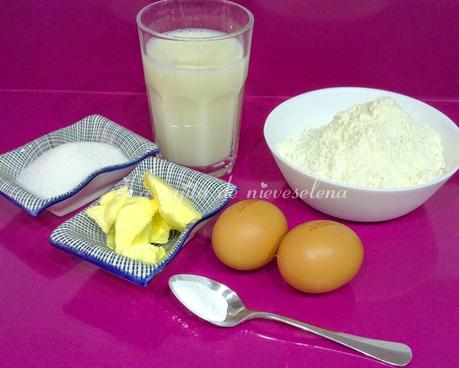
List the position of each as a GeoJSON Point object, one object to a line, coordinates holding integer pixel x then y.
{"type": "Point", "coordinates": [177, 210]}
{"type": "Point", "coordinates": [123, 191]}
{"type": "Point", "coordinates": [143, 238]}
{"type": "Point", "coordinates": [110, 240]}
{"type": "Point", "coordinates": [160, 230]}
{"type": "Point", "coordinates": [146, 253]}
{"type": "Point", "coordinates": [132, 220]}
{"type": "Point", "coordinates": [131, 224]}
{"type": "Point", "coordinates": [106, 212]}
{"type": "Point", "coordinates": [97, 213]}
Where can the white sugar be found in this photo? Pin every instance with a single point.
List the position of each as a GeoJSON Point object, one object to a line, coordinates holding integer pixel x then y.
{"type": "Point", "coordinates": [203, 301]}
{"type": "Point", "coordinates": [62, 168]}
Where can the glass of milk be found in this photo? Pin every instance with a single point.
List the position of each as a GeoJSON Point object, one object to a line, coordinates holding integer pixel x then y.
{"type": "Point", "coordinates": [195, 56]}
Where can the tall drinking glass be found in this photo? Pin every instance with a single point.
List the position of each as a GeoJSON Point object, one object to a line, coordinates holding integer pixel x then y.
{"type": "Point", "coordinates": [195, 57]}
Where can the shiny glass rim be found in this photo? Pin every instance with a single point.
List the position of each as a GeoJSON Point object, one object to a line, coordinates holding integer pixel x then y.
{"type": "Point", "coordinates": [165, 36]}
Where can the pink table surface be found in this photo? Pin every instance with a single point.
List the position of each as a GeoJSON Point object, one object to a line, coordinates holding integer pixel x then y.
{"type": "Point", "coordinates": [59, 311]}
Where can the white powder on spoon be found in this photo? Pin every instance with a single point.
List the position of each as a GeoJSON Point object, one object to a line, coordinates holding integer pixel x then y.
{"type": "Point", "coordinates": [373, 145]}
{"type": "Point", "coordinates": [203, 301]}
{"type": "Point", "coordinates": [62, 168]}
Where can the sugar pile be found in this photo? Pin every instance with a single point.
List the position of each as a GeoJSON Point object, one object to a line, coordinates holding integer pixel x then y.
{"type": "Point", "coordinates": [373, 145]}
{"type": "Point", "coordinates": [62, 168]}
{"type": "Point", "coordinates": [203, 301]}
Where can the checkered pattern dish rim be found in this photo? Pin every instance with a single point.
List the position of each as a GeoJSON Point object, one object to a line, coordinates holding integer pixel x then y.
{"type": "Point", "coordinates": [82, 237]}
{"type": "Point", "coordinates": [93, 128]}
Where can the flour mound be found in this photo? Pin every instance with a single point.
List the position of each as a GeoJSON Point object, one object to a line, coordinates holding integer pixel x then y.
{"type": "Point", "coordinates": [373, 145]}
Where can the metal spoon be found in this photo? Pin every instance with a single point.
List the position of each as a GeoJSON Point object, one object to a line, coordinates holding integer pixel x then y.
{"type": "Point", "coordinates": [221, 306]}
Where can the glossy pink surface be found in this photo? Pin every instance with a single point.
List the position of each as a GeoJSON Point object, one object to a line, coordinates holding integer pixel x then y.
{"type": "Point", "coordinates": [58, 311]}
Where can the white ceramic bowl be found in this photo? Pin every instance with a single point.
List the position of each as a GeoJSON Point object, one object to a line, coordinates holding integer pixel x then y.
{"type": "Point", "coordinates": [317, 108]}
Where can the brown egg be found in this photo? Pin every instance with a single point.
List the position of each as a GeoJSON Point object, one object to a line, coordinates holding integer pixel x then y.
{"type": "Point", "coordinates": [319, 256]}
{"type": "Point", "coordinates": [247, 234]}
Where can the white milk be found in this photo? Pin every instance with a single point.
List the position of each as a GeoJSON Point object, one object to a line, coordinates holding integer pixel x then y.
{"type": "Point", "coordinates": [195, 90]}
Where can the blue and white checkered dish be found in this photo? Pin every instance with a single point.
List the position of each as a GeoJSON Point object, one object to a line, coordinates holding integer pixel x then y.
{"type": "Point", "coordinates": [94, 128]}
{"type": "Point", "coordinates": [82, 237]}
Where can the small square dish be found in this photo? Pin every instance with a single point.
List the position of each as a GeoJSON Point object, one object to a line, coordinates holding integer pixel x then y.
{"type": "Point", "coordinates": [82, 237]}
{"type": "Point", "coordinates": [93, 128]}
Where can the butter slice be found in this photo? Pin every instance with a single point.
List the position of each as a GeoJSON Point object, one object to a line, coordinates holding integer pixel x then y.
{"type": "Point", "coordinates": [144, 253]}
{"type": "Point", "coordinates": [160, 230]}
{"type": "Point", "coordinates": [110, 240]}
{"type": "Point", "coordinates": [132, 220]}
{"type": "Point", "coordinates": [177, 210]}
{"type": "Point", "coordinates": [106, 212]}
{"type": "Point", "coordinates": [106, 198]}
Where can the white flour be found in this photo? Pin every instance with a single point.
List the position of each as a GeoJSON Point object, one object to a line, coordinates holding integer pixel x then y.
{"type": "Point", "coordinates": [374, 145]}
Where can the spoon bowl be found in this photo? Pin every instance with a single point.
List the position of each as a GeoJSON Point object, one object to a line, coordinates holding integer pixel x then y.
{"type": "Point", "coordinates": [218, 304]}
{"type": "Point", "coordinates": [227, 300]}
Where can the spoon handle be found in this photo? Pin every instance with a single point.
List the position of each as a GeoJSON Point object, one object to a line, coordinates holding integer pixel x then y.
{"type": "Point", "coordinates": [394, 353]}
